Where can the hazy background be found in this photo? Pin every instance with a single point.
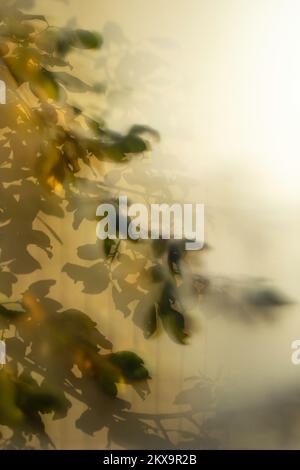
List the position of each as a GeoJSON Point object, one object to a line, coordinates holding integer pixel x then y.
{"type": "Point", "coordinates": [219, 80]}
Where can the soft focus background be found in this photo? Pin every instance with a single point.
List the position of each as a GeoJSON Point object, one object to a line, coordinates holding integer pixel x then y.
{"type": "Point", "coordinates": [219, 80]}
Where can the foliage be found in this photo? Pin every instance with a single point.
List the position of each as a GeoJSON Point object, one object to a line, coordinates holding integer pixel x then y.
{"type": "Point", "coordinates": [44, 142]}
{"type": "Point", "coordinates": [47, 147]}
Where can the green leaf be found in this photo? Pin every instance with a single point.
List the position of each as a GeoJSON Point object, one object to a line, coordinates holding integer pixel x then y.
{"type": "Point", "coordinates": [10, 414]}
{"type": "Point", "coordinates": [45, 86]}
{"type": "Point", "coordinates": [133, 144]}
{"type": "Point", "coordinates": [108, 386]}
{"type": "Point", "coordinates": [108, 246]}
{"type": "Point", "coordinates": [86, 39]}
{"type": "Point", "coordinates": [144, 131]}
{"type": "Point", "coordinates": [174, 325]}
{"type": "Point", "coordinates": [173, 321]}
{"type": "Point", "coordinates": [130, 364]}
{"type": "Point", "coordinates": [151, 322]}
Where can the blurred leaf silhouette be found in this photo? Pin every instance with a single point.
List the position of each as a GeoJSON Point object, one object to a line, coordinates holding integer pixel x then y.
{"type": "Point", "coordinates": [45, 141]}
